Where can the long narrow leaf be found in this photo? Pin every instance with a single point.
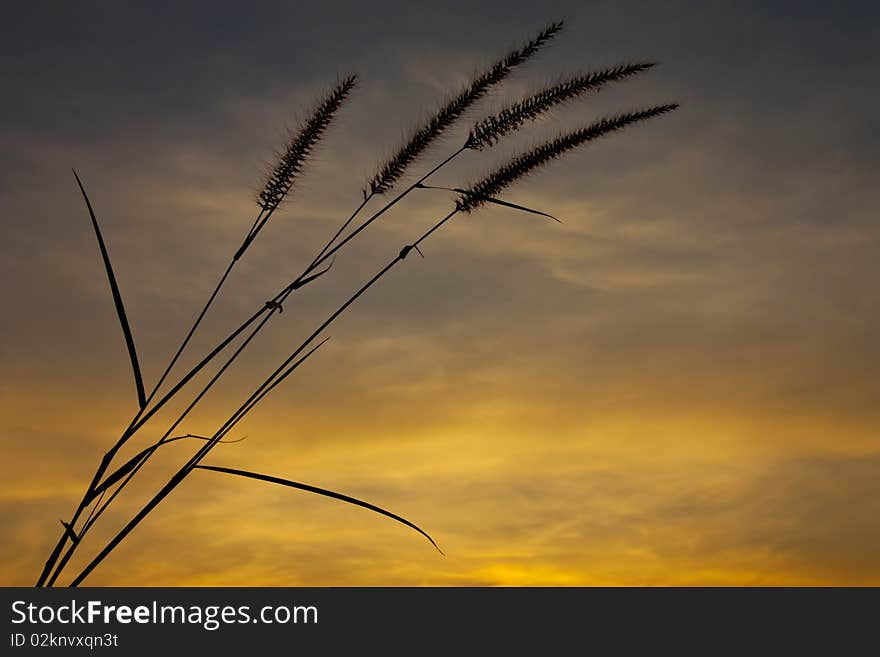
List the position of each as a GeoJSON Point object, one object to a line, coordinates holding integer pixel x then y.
{"type": "Point", "coordinates": [491, 199]}
{"type": "Point", "coordinates": [136, 460]}
{"type": "Point", "coordinates": [117, 301]}
{"type": "Point", "coordinates": [319, 491]}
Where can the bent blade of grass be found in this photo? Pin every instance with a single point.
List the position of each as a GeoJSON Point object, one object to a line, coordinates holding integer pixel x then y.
{"type": "Point", "coordinates": [320, 491]}
{"type": "Point", "coordinates": [491, 199]}
{"type": "Point", "coordinates": [137, 460]}
{"type": "Point", "coordinates": [117, 300]}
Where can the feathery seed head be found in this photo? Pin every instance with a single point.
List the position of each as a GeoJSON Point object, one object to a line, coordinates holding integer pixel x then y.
{"type": "Point", "coordinates": [525, 163]}
{"type": "Point", "coordinates": [490, 130]}
{"type": "Point", "coordinates": [301, 145]}
{"type": "Point", "coordinates": [421, 139]}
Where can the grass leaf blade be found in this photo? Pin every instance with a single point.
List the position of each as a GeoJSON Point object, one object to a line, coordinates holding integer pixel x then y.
{"type": "Point", "coordinates": [491, 199]}
{"type": "Point", "coordinates": [522, 208]}
{"type": "Point", "coordinates": [320, 491]}
{"type": "Point", "coordinates": [139, 458]}
{"type": "Point", "coordinates": [117, 300]}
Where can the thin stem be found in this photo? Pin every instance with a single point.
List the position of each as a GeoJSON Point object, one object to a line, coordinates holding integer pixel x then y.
{"type": "Point", "coordinates": [192, 330]}
{"type": "Point", "coordinates": [339, 232]}
{"type": "Point", "coordinates": [88, 521]}
{"type": "Point", "coordinates": [325, 253]}
{"type": "Point", "coordinates": [271, 381]}
{"type": "Point", "coordinates": [195, 370]}
{"type": "Point", "coordinates": [391, 204]}
{"type": "Point", "coordinates": [207, 305]}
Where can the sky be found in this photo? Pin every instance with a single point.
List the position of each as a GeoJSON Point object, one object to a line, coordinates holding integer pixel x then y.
{"type": "Point", "coordinates": [677, 385]}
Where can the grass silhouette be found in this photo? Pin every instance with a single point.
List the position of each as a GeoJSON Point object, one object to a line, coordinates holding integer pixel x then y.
{"type": "Point", "coordinates": [111, 478]}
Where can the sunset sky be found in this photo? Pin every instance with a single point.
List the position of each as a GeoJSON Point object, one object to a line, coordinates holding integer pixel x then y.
{"type": "Point", "coordinates": [677, 385]}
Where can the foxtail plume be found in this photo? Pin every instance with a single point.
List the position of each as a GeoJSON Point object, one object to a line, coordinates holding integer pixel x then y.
{"type": "Point", "coordinates": [527, 162]}
{"type": "Point", "coordinates": [389, 173]}
{"type": "Point", "coordinates": [490, 130]}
